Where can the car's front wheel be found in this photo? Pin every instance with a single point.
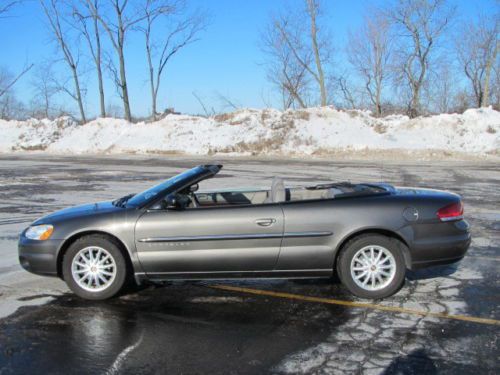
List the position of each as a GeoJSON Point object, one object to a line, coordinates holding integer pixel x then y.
{"type": "Point", "coordinates": [94, 267]}
{"type": "Point", "coordinates": [372, 266]}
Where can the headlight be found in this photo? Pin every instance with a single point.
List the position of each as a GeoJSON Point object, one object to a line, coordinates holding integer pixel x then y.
{"type": "Point", "coordinates": [39, 232]}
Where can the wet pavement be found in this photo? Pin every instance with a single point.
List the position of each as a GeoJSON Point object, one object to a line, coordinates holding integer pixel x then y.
{"type": "Point", "coordinates": [259, 326]}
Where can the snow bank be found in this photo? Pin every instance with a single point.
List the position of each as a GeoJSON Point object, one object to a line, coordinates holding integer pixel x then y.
{"type": "Point", "coordinates": [315, 131]}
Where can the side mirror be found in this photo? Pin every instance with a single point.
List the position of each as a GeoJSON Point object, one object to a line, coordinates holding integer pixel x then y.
{"type": "Point", "coordinates": [194, 188]}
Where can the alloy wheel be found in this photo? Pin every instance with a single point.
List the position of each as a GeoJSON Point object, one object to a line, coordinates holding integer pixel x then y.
{"type": "Point", "coordinates": [93, 269]}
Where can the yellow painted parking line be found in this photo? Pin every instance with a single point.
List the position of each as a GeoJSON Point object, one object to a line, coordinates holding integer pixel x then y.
{"type": "Point", "coordinates": [362, 305]}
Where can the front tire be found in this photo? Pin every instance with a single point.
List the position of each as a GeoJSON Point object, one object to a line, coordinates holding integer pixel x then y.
{"type": "Point", "coordinates": [94, 267]}
{"type": "Point", "coordinates": [372, 266]}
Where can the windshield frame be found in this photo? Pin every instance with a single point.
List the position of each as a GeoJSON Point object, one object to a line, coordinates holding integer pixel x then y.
{"type": "Point", "coordinates": [181, 180]}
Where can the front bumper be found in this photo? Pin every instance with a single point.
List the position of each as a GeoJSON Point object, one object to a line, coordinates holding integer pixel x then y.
{"type": "Point", "coordinates": [39, 257]}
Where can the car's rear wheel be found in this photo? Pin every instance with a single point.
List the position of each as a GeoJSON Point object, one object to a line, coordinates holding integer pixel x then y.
{"type": "Point", "coordinates": [372, 266]}
{"type": "Point", "coordinates": [94, 267]}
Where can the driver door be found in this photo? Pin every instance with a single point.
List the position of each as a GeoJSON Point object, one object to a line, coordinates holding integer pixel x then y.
{"type": "Point", "coordinates": [210, 239]}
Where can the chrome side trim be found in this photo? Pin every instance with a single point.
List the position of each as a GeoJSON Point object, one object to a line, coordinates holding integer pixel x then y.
{"type": "Point", "coordinates": [235, 237]}
{"type": "Point", "coordinates": [306, 234]}
{"type": "Point", "coordinates": [211, 237]}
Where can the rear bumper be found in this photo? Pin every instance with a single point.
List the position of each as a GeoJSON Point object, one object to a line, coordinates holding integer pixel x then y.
{"type": "Point", "coordinates": [39, 257]}
{"type": "Point", "coordinates": [441, 250]}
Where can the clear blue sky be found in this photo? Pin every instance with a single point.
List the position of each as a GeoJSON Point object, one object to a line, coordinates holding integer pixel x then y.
{"type": "Point", "coordinates": [227, 59]}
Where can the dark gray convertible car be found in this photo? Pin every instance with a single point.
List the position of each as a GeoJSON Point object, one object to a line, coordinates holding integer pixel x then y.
{"type": "Point", "coordinates": [368, 233]}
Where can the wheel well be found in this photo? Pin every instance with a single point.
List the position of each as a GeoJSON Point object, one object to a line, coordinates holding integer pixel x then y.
{"type": "Point", "coordinates": [383, 232]}
{"type": "Point", "coordinates": [72, 239]}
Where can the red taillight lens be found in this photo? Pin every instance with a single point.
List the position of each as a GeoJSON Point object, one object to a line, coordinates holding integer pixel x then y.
{"type": "Point", "coordinates": [452, 211]}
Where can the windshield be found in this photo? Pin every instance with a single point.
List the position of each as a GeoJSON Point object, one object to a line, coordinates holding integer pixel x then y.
{"type": "Point", "coordinates": [140, 198]}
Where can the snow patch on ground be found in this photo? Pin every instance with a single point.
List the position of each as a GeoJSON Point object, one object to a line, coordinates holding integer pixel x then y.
{"type": "Point", "coordinates": [10, 305]}
{"type": "Point", "coordinates": [309, 132]}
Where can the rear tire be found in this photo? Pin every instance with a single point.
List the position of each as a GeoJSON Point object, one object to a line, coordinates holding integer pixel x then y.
{"type": "Point", "coordinates": [372, 266]}
{"type": "Point", "coordinates": [94, 267]}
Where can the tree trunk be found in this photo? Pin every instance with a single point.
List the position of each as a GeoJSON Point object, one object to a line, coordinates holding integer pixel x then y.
{"type": "Point", "coordinates": [46, 108]}
{"type": "Point", "coordinates": [151, 80]}
{"type": "Point", "coordinates": [317, 58]}
{"type": "Point", "coordinates": [123, 76]}
{"type": "Point", "coordinates": [378, 105]}
{"type": "Point", "coordinates": [415, 103]}
{"type": "Point", "coordinates": [299, 99]}
{"type": "Point", "coordinates": [79, 95]}
{"type": "Point", "coordinates": [123, 85]}
{"type": "Point", "coordinates": [487, 76]}
{"type": "Point", "coordinates": [416, 86]}
{"type": "Point", "coordinates": [99, 69]}
{"type": "Point", "coordinates": [154, 111]}
{"type": "Point", "coordinates": [101, 91]}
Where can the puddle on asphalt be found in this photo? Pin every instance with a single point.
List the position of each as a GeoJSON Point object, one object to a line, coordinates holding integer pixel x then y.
{"type": "Point", "coordinates": [185, 328]}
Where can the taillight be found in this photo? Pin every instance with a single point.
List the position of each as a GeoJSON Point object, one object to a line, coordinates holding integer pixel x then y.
{"type": "Point", "coordinates": [454, 211]}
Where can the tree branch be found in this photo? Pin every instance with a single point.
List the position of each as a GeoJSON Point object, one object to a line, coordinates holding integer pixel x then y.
{"type": "Point", "coordinates": [4, 90]}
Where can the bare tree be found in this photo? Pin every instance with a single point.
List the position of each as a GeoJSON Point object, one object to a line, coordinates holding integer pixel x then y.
{"type": "Point", "coordinates": [52, 10]}
{"type": "Point", "coordinates": [293, 80]}
{"type": "Point", "coordinates": [312, 10]}
{"type": "Point", "coordinates": [307, 47]}
{"type": "Point", "coordinates": [114, 110]}
{"type": "Point", "coordinates": [477, 46]}
{"type": "Point", "coordinates": [340, 83]}
{"type": "Point", "coordinates": [419, 26]}
{"type": "Point", "coordinates": [117, 30]}
{"type": "Point", "coordinates": [7, 81]}
{"type": "Point", "coordinates": [88, 25]}
{"type": "Point", "coordinates": [443, 88]}
{"type": "Point", "coordinates": [283, 69]}
{"type": "Point", "coordinates": [461, 101]}
{"type": "Point", "coordinates": [179, 30]}
{"type": "Point", "coordinates": [199, 100]}
{"type": "Point", "coordinates": [45, 87]}
{"type": "Point", "coordinates": [10, 107]}
{"type": "Point", "coordinates": [495, 92]}
{"type": "Point", "coordinates": [226, 102]}
{"type": "Point", "coordinates": [6, 78]}
{"type": "Point", "coordinates": [369, 51]}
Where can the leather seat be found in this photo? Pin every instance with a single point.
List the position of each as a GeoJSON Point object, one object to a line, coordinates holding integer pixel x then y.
{"type": "Point", "coordinates": [278, 191]}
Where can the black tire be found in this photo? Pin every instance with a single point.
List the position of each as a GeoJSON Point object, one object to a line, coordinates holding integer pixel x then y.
{"type": "Point", "coordinates": [351, 248]}
{"type": "Point", "coordinates": [113, 249]}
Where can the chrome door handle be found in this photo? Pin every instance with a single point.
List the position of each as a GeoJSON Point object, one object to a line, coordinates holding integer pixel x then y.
{"type": "Point", "coordinates": [265, 222]}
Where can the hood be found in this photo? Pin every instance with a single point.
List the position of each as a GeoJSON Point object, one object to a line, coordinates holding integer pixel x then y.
{"type": "Point", "coordinates": [78, 211]}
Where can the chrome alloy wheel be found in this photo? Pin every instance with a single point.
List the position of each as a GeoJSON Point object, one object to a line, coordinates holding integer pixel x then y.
{"type": "Point", "coordinates": [373, 267]}
{"type": "Point", "coordinates": [93, 268]}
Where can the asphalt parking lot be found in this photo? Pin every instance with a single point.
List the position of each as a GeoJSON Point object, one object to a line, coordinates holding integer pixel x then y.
{"type": "Point", "coordinates": [445, 320]}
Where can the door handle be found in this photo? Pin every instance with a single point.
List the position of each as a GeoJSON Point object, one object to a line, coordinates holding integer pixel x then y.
{"type": "Point", "coordinates": [265, 222]}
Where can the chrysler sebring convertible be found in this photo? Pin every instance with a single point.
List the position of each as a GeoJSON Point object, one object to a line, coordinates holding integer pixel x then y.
{"type": "Point", "coordinates": [369, 234]}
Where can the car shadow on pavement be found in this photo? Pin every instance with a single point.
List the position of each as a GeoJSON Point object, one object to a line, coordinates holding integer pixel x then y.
{"type": "Point", "coordinates": [432, 272]}
{"type": "Point", "coordinates": [419, 361]}
{"type": "Point", "coordinates": [407, 364]}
